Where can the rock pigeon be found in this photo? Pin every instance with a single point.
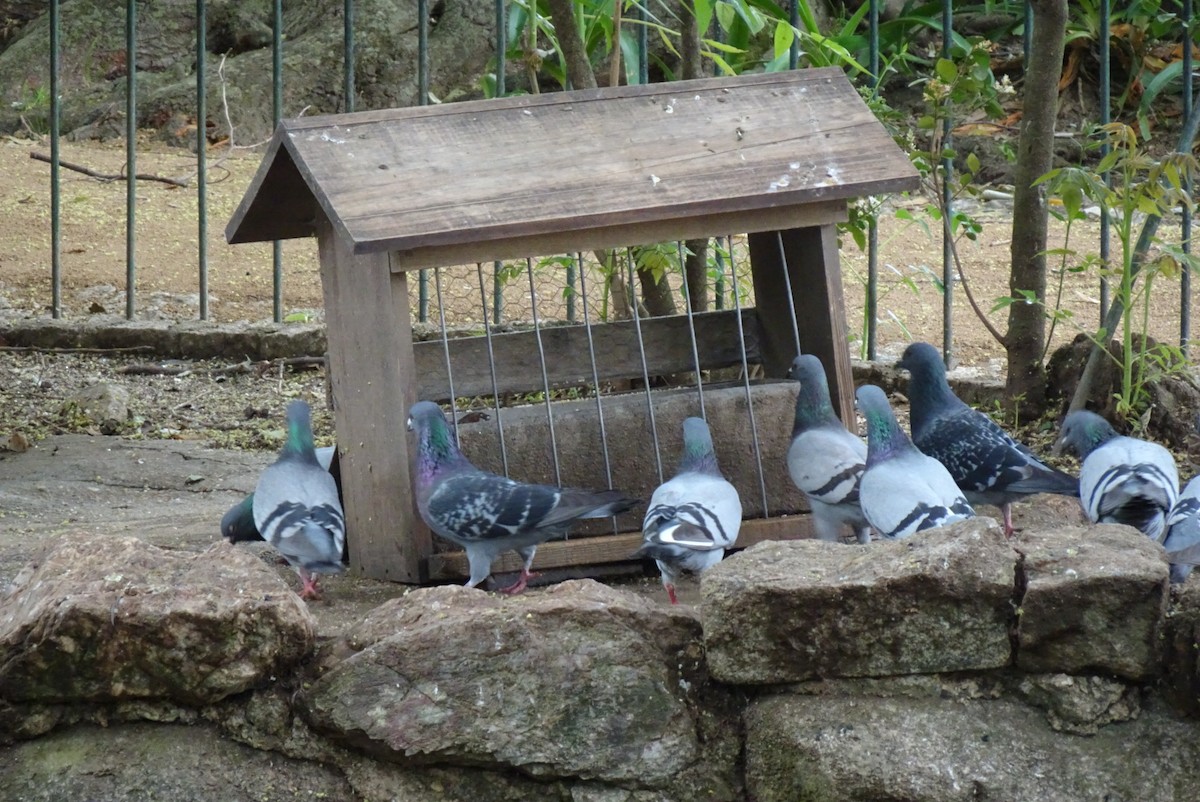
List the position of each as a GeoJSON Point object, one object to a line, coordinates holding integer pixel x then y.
{"type": "Point", "coordinates": [902, 490]}
{"type": "Point", "coordinates": [825, 460]}
{"type": "Point", "coordinates": [486, 514]}
{"type": "Point", "coordinates": [988, 465]}
{"type": "Point", "coordinates": [1182, 542]}
{"type": "Point", "coordinates": [1122, 480]}
{"type": "Point", "coordinates": [237, 525]}
{"type": "Point", "coordinates": [694, 516]}
{"type": "Point", "coordinates": [296, 506]}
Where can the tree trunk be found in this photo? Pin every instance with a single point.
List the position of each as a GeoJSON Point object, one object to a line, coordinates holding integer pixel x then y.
{"type": "Point", "coordinates": [579, 68]}
{"type": "Point", "coordinates": [692, 66]}
{"type": "Point", "coordinates": [1026, 337]}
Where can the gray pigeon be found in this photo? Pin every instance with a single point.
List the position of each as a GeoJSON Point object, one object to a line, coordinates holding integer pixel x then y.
{"type": "Point", "coordinates": [825, 460]}
{"type": "Point", "coordinates": [1182, 542]}
{"type": "Point", "coordinates": [902, 490]}
{"type": "Point", "coordinates": [486, 514]}
{"type": "Point", "coordinates": [1122, 480]}
{"type": "Point", "coordinates": [694, 516]}
{"type": "Point", "coordinates": [296, 505]}
{"type": "Point", "coordinates": [237, 525]}
{"type": "Point", "coordinates": [988, 465]}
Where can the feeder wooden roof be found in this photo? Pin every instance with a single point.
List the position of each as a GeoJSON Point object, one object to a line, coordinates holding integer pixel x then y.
{"type": "Point", "coordinates": [536, 174]}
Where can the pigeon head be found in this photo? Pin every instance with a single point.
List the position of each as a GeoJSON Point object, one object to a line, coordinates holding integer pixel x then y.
{"type": "Point", "coordinates": [1084, 431]}
{"type": "Point", "coordinates": [237, 526]}
{"type": "Point", "coordinates": [928, 391]}
{"type": "Point", "coordinates": [299, 431]}
{"type": "Point", "coordinates": [884, 435]}
{"type": "Point", "coordinates": [436, 448]}
{"type": "Point", "coordinates": [698, 455]}
{"type": "Point", "coordinates": [813, 407]}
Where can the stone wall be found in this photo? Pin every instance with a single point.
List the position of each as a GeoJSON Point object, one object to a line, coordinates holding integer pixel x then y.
{"type": "Point", "coordinates": [956, 665]}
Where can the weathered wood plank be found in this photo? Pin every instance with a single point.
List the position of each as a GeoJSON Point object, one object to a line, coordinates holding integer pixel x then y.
{"type": "Point", "coordinates": [568, 360]}
{"type": "Point", "coordinates": [611, 548]}
{"type": "Point", "coordinates": [461, 174]}
{"type": "Point", "coordinates": [808, 257]}
{"type": "Point", "coordinates": [374, 383]}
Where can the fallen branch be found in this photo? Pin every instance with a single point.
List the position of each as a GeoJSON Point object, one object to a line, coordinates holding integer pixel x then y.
{"type": "Point", "coordinates": [44, 350]}
{"type": "Point", "coordinates": [79, 168]}
{"type": "Point", "coordinates": [243, 367]}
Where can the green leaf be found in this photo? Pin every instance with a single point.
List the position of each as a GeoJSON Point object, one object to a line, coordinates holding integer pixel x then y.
{"type": "Point", "coordinates": [973, 163]}
{"type": "Point", "coordinates": [946, 70]}
{"type": "Point", "coordinates": [784, 36]}
{"type": "Point", "coordinates": [703, 10]}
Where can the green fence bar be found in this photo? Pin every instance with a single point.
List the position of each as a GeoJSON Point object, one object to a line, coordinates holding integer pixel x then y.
{"type": "Point", "coordinates": [201, 154]}
{"type": "Point", "coordinates": [348, 52]}
{"type": "Point", "coordinates": [1185, 278]}
{"type": "Point", "coordinates": [947, 202]}
{"type": "Point", "coordinates": [130, 154]}
{"type": "Point", "coordinates": [55, 189]}
{"type": "Point", "coordinates": [276, 116]}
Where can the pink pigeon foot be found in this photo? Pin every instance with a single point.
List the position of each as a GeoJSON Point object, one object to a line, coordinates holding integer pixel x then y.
{"type": "Point", "coordinates": [1006, 513]}
{"type": "Point", "coordinates": [671, 594]}
{"type": "Point", "coordinates": [310, 589]}
{"type": "Point", "coordinates": [519, 585]}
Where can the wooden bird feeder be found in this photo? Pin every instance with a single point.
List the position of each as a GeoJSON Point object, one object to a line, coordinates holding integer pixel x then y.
{"type": "Point", "coordinates": [775, 156]}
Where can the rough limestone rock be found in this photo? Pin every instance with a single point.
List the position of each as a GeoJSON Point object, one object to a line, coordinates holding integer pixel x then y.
{"type": "Point", "coordinates": [821, 749]}
{"type": "Point", "coordinates": [581, 681]}
{"type": "Point", "coordinates": [106, 405]}
{"type": "Point", "coordinates": [111, 619]}
{"type": "Point", "coordinates": [1080, 705]}
{"type": "Point", "coordinates": [1094, 602]}
{"type": "Point", "coordinates": [1182, 638]}
{"type": "Point", "coordinates": [790, 611]}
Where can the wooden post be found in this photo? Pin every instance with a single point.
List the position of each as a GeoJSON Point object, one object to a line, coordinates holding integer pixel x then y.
{"type": "Point", "coordinates": [374, 385]}
{"type": "Point", "coordinates": [810, 257]}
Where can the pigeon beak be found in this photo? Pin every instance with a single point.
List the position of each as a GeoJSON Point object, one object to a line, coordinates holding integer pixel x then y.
{"type": "Point", "coordinates": [410, 424]}
{"type": "Point", "coordinates": [1057, 448]}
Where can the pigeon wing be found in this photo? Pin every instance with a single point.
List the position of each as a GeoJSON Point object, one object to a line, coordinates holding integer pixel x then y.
{"type": "Point", "coordinates": [827, 464]}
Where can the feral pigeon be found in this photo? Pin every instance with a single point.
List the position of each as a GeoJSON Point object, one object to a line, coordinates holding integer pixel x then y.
{"type": "Point", "coordinates": [296, 505]}
{"type": "Point", "coordinates": [988, 465]}
{"type": "Point", "coordinates": [1182, 542]}
{"type": "Point", "coordinates": [486, 514]}
{"type": "Point", "coordinates": [1122, 480]}
{"type": "Point", "coordinates": [237, 525]}
{"type": "Point", "coordinates": [902, 490]}
{"type": "Point", "coordinates": [694, 516]}
{"type": "Point", "coordinates": [825, 460]}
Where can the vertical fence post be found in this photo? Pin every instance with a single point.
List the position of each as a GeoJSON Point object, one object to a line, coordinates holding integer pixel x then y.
{"type": "Point", "coordinates": [276, 116]}
{"type": "Point", "coordinates": [423, 100]}
{"type": "Point", "coordinates": [130, 154]}
{"type": "Point", "coordinates": [947, 202]}
{"type": "Point", "coordinates": [201, 154]}
{"type": "Point", "coordinates": [1105, 119]}
{"type": "Point", "coordinates": [794, 21]}
{"type": "Point", "coordinates": [1185, 279]}
{"type": "Point", "coordinates": [348, 53]}
{"type": "Point", "coordinates": [55, 189]}
{"type": "Point", "coordinates": [643, 47]}
{"type": "Point", "coordinates": [501, 89]}
{"type": "Point", "coordinates": [871, 302]}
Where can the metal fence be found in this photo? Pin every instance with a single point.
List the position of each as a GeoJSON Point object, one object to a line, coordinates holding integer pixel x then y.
{"type": "Point", "coordinates": [562, 280]}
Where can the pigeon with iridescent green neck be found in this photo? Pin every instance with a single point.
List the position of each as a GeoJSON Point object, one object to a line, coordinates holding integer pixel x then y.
{"type": "Point", "coordinates": [694, 516]}
{"type": "Point", "coordinates": [237, 525]}
{"type": "Point", "coordinates": [903, 491]}
{"type": "Point", "coordinates": [487, 514]}
{"type": "Point", "coordinates": [296, 506]}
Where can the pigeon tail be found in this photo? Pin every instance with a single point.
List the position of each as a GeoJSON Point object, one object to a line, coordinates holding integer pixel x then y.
{"type": "Point", "coordinates": [577, 504]}
{"type": "Point", "coordinates": [813, 407]}
{"type": "Point", "coordinates": [698, 455]}
{"type": "Point", "coordinates": [885, 438]}
{"type": "Point", "coordinates": [299, 433]}
{"type": "Point", "coordinates": [929, 393]}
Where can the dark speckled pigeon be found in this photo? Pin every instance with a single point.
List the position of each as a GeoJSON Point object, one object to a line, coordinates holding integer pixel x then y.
{"type": "Point", "coordinates": [694, 516]}
{"type": "Point", "coordinates": [296, 505]}
{"type": "Point", "coordinates": [903, 491]}
{"type": "Point", "coordinates": [825, 460]}
{"type": "Point", "coordinates": [988, 465]}
{"type": "Point", "coordinates": [1123, 480]}
{"type": "Point", "coordinates": [486, 514]}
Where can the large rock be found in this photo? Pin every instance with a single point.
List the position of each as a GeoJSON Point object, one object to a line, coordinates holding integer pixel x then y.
{"type": "Point", "coordinates": [1094, 602]}
{"type": "Point", "coordinates": [581, 681]}
{"type": "Point", "coordinates": [1182, 637]}
{"type": "Point", "coordinates": [112, 619]}
{"type": "Point", "coordinates": [791, 611]}
{"type": "Point", "coordinates": [822, 749]}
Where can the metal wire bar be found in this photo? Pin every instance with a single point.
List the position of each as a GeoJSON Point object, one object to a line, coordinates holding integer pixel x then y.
{"type": "Point", "coordinates": [501, 90]}
{"type": "Point", "coordinates": [437, 277]}
{"type": "Point", "coordinates": [130, 155]}
{"type": "Point", "coordinates": [687, 307]}
{"type": "Point", "coordinates": [587, 327]}
{"type": "Point", "coordinates": [423, 100]}
{"type": "Point", "coordinates": [1185, 279]}
{"type": "Point", "coordinates": [948, 205]}
{"type": "Point", "coordinates": [276, 116]}
{"type": "Point", "coordinates": [487, 332]}
{"type": "Point", "coordinates": [202, 154]}
{"type": "Point", "coordinates": [737, 305]}
{"type": "Point", "coordinates": [787, 283]}
{"type": "Point", "coordinates": [55, 189]}
{"type": "Point", "coordinates": [537, 333]}
{"type": "Point", "coordinates": [637, 325]}
{"type": "Point", "coordinates": [348, 53]}
{"type": "Point", "coordinates": [1105, 118]}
